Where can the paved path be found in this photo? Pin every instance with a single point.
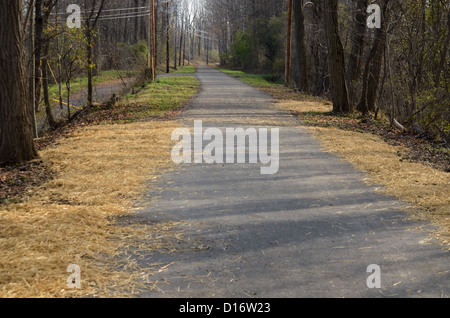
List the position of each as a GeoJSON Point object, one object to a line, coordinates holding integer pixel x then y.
{"type": "Point", "coordinates": [311, 230]}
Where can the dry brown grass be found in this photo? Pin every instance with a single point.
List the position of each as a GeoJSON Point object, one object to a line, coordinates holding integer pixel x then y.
{"type": "Point", "coordinates": [297, 107]}
{"type": "Point", "coordinates": [101, 171]}
{"type": "Point", "coordinates": [426, 189]}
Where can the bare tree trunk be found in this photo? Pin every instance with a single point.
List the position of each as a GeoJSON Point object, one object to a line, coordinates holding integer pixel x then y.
{"type": "Point", "coordinates": [443, 56]}
{"type": "Point", "coordinates": [336, 59]}
{"type": "Point", "coordinates": [136, 21]}
{"type": "Point", "coordinates": [373, 67]}
{"type": "Point", "coordinates": [357, 43]}
{"type": "Point", "coordinates": [48, 109]}
{"type": "Point", "coordinates": [317, 50]}
{"type": "Point", "coordinates": [287, 76]}
{"type": "Point", "coordinates": [186, 38]}
{"type": "Point", "coordinates": [167, 38]}
{"type": "Point", "coordinates": [89, 67]}
{"type": "Point", "coordinates": [154, 15]}
{"type": "Point", "coordinates": [90, 27]}
{"type": "Point", "coordinates": [302, 69]}
{"type": "Point", "coordinates": [181, 40]}
{"type": "Point", "coordinates": [38, 43]}
{"type": "Point", "coordinates": [175, 35]}
{"type": "Point", "coordinates": [16, 135]}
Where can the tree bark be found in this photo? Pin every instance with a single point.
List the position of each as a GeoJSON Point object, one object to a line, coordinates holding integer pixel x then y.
{"type": "Point", "coordinates": [89, 67]}
{"type": "Point", "coordinates": [167, 38]}
{"type": "Point", "coordinates": [90, 27]}
{"type": "Point", "coordinates": [443, 57]}
{"type": "Point", "coordinates": [336, 59]}
{"type": "Point", "coordinates": [302, 69]}
{"type": "Point", "coordinates": [357, 43]}
{"type": "Point", "coordinates": [175, 35]}
{"type": "Point", "coordinates": [38, 44]}
{"type": "Point", "coordinates": [372, 67]}
{"type": "Point", "coordinates": [48, 109]}
{"type": "Point", "coordinates": [16, 135]}
{"type": "Point", "coordinates": [287, 76]}
{"type": "Point", "coordinates": [181, 40]}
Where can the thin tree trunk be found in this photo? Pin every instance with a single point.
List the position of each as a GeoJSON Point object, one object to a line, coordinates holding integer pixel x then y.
{"type": "Point", "coordinates": [181, 41]}
{"type": "Point", "coordinates": [443, 57]}
{"type": "Point", "coordinates": [38, 43]}
{"type": "Point", "coordinates": [372, 67]}
{"type": "Point", "coordinates": [90, 27]}
{"type": "Point", "coordinates": [287, 76]}
{"type": "Point", "coordinates": [89, 67]}
{"type": "Point", "coordinates": [167, 38]}
{"type": "Point", "coordinates": [48, 109]}
{"type": "Point", "coordinates": [68, 100]}
{"type": "Point", "coordinates": [357, 43]}
{"type": "Point", "coordinates": [154, 16]}
{"type": "Point", "coordinates": [136, 24]}
{"type": "Point", "coordinates": [175, 38]}
{"type": "Point", "coordinates": [186, 37]}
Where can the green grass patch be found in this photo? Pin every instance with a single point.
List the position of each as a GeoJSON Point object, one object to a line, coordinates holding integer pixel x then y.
{"type": "Point", "coordinates": [255, 79]}
{"type": "Point", "coordinates": [160, 99]}
{"type": "Point", "coordinates": [187, 69]}
{"type": "Point", "coordinates": [271, 84]}
{"type": "Point", "coordinates": [78, 84]}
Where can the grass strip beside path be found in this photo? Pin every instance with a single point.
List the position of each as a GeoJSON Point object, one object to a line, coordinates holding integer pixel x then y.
{"type": "Point", "coordinates": [161, 99]}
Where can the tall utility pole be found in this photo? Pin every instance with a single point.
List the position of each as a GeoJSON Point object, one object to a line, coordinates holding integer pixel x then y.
{"type": "Point", "coordinates": [150, 38]}
{"type": "Point", "coordinates": [287, 79]}
{"type": "Point", "coordinates": [153, 41]}
{"type": "Point", "coordinates": [189, 38]}
{"type": "Point", "coordinates": [175, 37]}
{"type": "Point", "coordinates": [181, 39]}
{"type": "Point", "coordinates": [151, 63]}
{"type": "Point", "coordinates": [167, 38]}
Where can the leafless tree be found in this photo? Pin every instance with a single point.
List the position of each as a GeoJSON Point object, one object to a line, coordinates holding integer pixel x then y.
{"type": "Point", "coordinates": [16, 136]}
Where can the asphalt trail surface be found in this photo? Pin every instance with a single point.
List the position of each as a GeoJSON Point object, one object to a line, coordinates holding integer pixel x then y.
{"type": "Point", "coordinates": [310, 230]}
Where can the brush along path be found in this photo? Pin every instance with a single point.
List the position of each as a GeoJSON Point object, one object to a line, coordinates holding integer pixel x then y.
{"type": "Point", "coordinates": [101, 171]}
{"type": "Point", "coordinates": [100, 168]}
{"type": "Point", "coordinates": [101, 93]}
{"type": "Point", "coordinates": [311, 230]}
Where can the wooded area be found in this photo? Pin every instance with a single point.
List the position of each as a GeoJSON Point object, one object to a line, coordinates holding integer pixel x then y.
{"type": "Point", "coordinates": [113, 35]}
{"type": "Point", "coordinates": [95, 93]}
{"type": "Point", "coordinates": [400, 70]}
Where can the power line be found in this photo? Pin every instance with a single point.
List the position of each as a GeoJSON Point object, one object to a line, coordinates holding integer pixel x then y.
{"type": "Point", "coordinates": [106, 10]}
{"type": "Point", "coordinates": [120, 16]}
{"type": "Point", "coordinates": [123, 17]}
{"type": "Point", "coordinates": [134, 8]}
